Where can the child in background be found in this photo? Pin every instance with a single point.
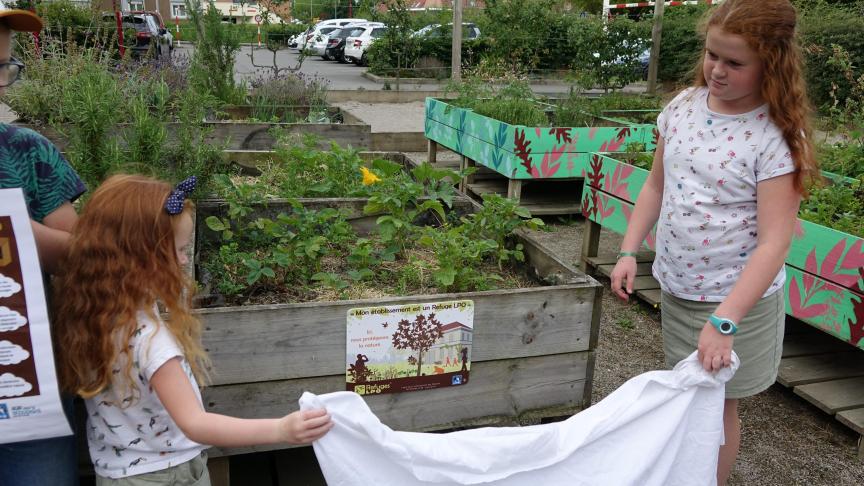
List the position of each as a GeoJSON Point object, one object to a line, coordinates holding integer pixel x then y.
{"type": "Point", "coordinates": [138, 373]}
{"type": "Point", "coordinates": [731, 166]}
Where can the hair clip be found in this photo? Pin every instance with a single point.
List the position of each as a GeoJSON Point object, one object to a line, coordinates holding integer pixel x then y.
{"type": "Point", "coordinates": [174, 203]}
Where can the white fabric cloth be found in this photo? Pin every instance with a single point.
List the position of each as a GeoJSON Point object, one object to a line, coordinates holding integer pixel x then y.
{"type": "Point", "coordinates": [712, 163]}
{"type": "Point", "coordinates": [659, 428]}
{"type": "Point", "coordinates": [140, 437]}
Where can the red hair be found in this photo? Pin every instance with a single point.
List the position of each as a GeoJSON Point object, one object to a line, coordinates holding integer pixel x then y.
{"type": "Point", "coordinates": [122, 259]}
{"type": "Point", "coordinates": [769, 28]}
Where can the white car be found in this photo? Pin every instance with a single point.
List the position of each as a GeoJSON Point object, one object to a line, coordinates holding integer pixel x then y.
{"type": "Point", "coordinates": [314, 33]}
{"type": "Point", "coordinates": [356, 45]}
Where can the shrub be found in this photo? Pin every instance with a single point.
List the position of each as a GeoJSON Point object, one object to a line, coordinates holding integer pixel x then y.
{"type": "Point", "coordinates": [680, 44]}
{"type": "Point", "coordinates": [821, 28]}
{"type": "Point", "coordinates": [606, 54]}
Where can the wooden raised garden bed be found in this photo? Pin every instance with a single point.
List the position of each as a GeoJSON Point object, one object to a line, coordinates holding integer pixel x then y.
{"type": "Point", "coordinates": [533, 352]}
{"type": "Point", "coordinates": [246, 135]}
{"type": "Point", "coordinates": [521, 153]}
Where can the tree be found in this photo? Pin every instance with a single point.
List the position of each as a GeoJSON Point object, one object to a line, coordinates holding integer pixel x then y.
{"type": "Point", "coordinates": [418, 335]}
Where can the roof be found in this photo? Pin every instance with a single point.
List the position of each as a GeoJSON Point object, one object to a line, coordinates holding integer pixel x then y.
{"type": "Point", "coordinates": [455, 325]}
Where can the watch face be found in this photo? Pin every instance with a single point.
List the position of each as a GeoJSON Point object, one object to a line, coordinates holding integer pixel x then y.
{"type": "Point", "coordinates": [726, 327]}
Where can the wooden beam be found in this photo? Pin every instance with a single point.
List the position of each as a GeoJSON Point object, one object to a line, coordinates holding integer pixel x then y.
{"type": "Point", "coordinates": [812, 369]}
{"type": "Point", "coordinates": [834, 396]}
{"type": "Point", "coordinates": [285, 341]}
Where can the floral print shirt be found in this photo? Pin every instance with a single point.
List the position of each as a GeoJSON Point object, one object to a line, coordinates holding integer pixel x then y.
{"type": "Point", "coordinates": [29, 161]}
{"type": "Point", "coordinates": [712, 163]}
{"type": "Point", "coordinates": [131, 434]}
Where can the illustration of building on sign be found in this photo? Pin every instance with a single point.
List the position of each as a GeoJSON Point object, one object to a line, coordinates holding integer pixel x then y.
{"type": "Point", "coordinates": [448, 349]}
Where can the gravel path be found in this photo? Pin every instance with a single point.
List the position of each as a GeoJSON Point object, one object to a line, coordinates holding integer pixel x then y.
{"type": "Point", "coordinates": [785, 440]}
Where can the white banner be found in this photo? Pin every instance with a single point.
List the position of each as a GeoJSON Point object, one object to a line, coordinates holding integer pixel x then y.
{"type": "Point", "coordinates": [30, 405]}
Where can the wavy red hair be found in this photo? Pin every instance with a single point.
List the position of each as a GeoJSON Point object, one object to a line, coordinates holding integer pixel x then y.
{"type": "Point", "coordinates": [769, 28]}
{"type": "Point", "coordinates": [122, 259]}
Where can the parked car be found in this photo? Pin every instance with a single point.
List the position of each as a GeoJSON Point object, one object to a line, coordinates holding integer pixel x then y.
{"type": "Point", "coordinates": [470, 31]}
{"type": "Point", "coordinates": [318, 42]}
{"type": "Point", "coordinates": [337, 40]}
{"type": "Point", "coordinates": [313, 33]}
{"type": "Point", "coordinates": [150, 39]}
{"type": "Point", "coordinates": [158, 18]}
{"type": "Point", "coordinates": [357, 43]}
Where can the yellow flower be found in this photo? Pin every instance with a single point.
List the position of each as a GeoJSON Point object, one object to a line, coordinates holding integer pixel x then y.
{"type": "Point", "coordinates": [369, 177]}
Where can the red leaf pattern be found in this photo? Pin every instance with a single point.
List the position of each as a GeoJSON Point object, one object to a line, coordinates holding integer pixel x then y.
{"type": "Point", "coordinates": [523, 149]}
{"type": "Point", "coordinates": [799, 309]}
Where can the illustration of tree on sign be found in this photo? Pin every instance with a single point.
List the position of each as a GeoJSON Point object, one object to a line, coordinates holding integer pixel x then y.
{"type": "Point", "coordinates": [418, 335]}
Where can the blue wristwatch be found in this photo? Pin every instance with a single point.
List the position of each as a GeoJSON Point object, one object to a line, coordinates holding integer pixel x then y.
{"type": "Point", "coordinates": [726, 327]}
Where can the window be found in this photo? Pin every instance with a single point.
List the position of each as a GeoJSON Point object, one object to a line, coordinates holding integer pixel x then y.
{"type": "Point", "coordinates": [178, 10]}
{"type": "Point", "coordinates": [134, 6]}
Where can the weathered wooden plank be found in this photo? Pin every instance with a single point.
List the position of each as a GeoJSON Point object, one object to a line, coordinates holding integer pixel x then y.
{"type": "Point", "coordinates": [651, 296]}
{"type": "Point", "coordinates": [642, 269]}
{"type": "Point", "coordinates": [645, 282]}
{"type": "Point", "coordinates": [834, 396]}
{"type": "Point", "coordinates": [641, 257]}
{"type": "Point", "coordinates": [285, 341]}
{"type": "Point", "coordinates": [499, 392]}
{"type": "Point", "coordinates": [822, 367]}
{"type": "Point", "coordinates": [253, 136]}
{"type": "Point", "coordinates": [854, 419]}
{"type": "Point", "coordinates": [810, 342]}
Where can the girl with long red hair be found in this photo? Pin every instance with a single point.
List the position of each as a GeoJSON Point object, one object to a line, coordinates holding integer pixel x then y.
{"type": "Point", "coordinates": [139, 373]}
{"type": "Point", "coordinates": [731, 165]}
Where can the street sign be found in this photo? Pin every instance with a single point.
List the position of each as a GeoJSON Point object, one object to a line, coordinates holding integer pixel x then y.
{"type": "Point", "coordinates": [258, 19]}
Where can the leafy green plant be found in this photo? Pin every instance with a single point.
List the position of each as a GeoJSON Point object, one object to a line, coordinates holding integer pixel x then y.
{"type": "Point", "coordinates": [402, 198]}
{"type": "Point", "coordinates": [212, 69]}
{"type": "Point", "coordinates": [846, 159]}
{"type": "Point", "coordinates": [286, 252]}
{"type": "Point", "coordinates": [839, 206]}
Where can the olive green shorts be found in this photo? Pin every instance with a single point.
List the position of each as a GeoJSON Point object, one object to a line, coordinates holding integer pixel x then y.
{"type": "Point", "coordinates": [758, 342]}
{"type": "Point", "coordinates": [191, 473]}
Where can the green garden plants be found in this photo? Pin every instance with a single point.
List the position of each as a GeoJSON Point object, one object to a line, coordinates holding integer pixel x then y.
{"type": "Point", "coordinates": [421, 244]}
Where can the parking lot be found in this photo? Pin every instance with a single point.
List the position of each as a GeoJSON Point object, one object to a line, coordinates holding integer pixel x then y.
{"type": "Point", "coordinates": [341, 76]}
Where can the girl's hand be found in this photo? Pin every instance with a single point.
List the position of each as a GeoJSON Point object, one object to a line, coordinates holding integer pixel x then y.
{"type": "Point", "coordinates": [305, 426]}
{"type": "Point", "coordinates": [715, 349]}
{"type": "Point", "coordinates": [622, 277]}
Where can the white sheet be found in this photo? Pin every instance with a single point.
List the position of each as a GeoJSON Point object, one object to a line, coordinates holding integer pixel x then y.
{"type": "Point", "coordinates": [659, 428]}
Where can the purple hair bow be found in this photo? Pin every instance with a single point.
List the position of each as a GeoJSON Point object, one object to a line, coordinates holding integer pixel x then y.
{"type": "Point", "coordinates": [174, 204]}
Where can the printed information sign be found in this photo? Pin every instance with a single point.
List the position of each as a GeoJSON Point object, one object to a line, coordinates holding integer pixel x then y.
{"type": "Point", "coordinates": [409, 347]}
{"type": "Point", "coordinates": [29, 400]}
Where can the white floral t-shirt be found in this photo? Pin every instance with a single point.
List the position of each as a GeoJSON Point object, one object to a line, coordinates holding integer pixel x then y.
{"type": "Point", "coordinates": [712, 162]}
{"type": "Point", "coordinates": [127, 436]}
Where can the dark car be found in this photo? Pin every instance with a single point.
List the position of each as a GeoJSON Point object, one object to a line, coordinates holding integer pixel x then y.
{"type": "Point", "coordinates": [150, 39]}
{"type": "Point", "coordinates": [336, 44]}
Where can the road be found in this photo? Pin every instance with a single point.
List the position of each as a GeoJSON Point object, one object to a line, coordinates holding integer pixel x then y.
{"type": "Point", "coordinates": [340, 76]}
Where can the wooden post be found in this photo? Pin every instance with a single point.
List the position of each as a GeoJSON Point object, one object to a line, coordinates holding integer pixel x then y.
{"type": "Point", "coordinates": [514, 189]}
{"type": "Point", "coordinates": [219, 471]}
{"type": "Point", "coordinates": [590, 242]}
{"type": "Point", "coordinates": [464, 163]}
{"type": "Point", "coordinates": [654, 60]}
{"type": "Point", "coordinates": [432, 151]}
{"type": "Point", "coordinates": [456, 54]}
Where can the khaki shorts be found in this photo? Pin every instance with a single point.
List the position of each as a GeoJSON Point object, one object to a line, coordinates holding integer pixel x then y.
{"type": "Point", "coordinates": [758, 342]}
{"type": "Point", "coordinates": [191, 473]}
